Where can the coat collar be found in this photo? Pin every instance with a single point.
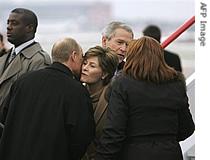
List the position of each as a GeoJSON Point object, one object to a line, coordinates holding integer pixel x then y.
{"type": "Point", "coordinates": [62, 68]}
{"type": "Point", "coordinates": [101, 106]}
{"type": "Point", "coordinates": [31, 50]}
{"type": "Point", "coordinates": [22, 46]}
{"type": "Point", "coordinates": [15, 66]}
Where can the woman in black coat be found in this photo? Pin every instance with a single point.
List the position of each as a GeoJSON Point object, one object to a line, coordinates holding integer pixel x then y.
{"type": "Point", "coordinates": [148, 111]}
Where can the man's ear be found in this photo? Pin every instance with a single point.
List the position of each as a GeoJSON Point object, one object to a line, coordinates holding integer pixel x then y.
{"type": "Point", "coordinates": [30, 28]}
{"type": "Point", "coordinates": [104, 39]}
{"type": "Point", "coordinates": [73, 56]}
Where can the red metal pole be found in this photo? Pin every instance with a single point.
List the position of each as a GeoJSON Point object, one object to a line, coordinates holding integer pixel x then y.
{"type": "Point", "coordinates": [179, 31]}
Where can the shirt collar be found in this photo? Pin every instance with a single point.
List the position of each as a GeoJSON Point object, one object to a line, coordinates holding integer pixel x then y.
{"type": "Point", "coordinates": [22, 46]}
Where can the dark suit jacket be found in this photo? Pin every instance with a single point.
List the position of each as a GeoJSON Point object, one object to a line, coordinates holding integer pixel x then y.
{"type": "Point", "coordinates": [173, 60]}
{"type": "Point", "coordinates": [120, 66]}
{"type": "Point", "coordinates": [145, 121]}
{"type": "Point", "coordinates": [49, 117]}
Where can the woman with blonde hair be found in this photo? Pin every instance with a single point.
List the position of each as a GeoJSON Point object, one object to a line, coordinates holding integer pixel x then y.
{"type": "Point", "coordinates": [148, 111]}
{"type": "Point", "coordinates": [98, 69]}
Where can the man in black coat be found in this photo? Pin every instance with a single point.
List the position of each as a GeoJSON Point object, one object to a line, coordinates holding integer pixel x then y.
{"type": "Point", "coordinates": [172, 59]}
{"type": "Point", "coordinates": [48, 114]}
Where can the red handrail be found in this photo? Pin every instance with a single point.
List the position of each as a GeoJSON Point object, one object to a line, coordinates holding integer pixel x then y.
{"type": "Point", "coordinates": [179, 31]}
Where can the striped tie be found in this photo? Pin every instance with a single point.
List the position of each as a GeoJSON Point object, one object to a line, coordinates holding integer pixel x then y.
{"type": "Point", "coordinates": [12, 56]}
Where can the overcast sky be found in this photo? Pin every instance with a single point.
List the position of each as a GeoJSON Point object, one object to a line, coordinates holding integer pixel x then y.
{"type": "Point", "coordinates": [158, 9]}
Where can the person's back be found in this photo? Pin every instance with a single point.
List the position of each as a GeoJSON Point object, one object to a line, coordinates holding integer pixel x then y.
{"type": "Point", "coordinates": [42, 135]}
{"type": "Point", "coordinates": [157, 104]}
{"type": "Point", "coordinates": [172, 59]}
{"type": "Point", "coordinates": [49, 114]}
{"type": "Point", "coordinates": [26, 54]}
{"type": "Point", "coordinates": [154, 124]}
{"type": "Point", "coordinates": [148, 111]}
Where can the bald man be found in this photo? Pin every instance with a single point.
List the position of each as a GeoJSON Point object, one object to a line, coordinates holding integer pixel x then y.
{"type": "Point", "coordinates": [49, 113]}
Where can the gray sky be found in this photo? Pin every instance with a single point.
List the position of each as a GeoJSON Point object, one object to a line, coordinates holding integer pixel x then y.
{"type": "Point", "coordinates": [148, 9]}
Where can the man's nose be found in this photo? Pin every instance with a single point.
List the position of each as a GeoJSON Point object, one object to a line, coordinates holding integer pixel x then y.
{"type": "Point", "coordinates": [9, 27]}
{"type": "Point", "coordinates": [123, 47]}
{"type": "Point", "coordinates": [85, 67]}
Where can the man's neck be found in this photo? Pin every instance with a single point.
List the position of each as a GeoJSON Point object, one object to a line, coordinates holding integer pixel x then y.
{"type": "Point", "coordinates": [23, 45]}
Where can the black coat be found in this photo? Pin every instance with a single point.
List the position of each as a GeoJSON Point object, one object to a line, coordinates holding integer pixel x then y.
{"type": "Point", "coordinates": [173, 60]}
{"type": "Point", "coordinates": [50, 117]}
{"type": "Point", "coordinates": [145, 121]}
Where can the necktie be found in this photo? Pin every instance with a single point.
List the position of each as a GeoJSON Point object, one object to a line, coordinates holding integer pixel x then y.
{"type": "Point", "coordinates": [12, 56]}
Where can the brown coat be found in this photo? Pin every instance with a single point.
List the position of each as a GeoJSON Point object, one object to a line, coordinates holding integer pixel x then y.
{"type": "Point", "coordinates": [100, 110]}
{"type": "Point", "coordinates": [30, 58]}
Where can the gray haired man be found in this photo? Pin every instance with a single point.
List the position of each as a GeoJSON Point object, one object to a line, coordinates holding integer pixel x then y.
{"type": "Point", "coordinates": [117, 35]}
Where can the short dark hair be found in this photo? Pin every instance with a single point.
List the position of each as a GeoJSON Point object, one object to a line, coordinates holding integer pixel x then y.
{"type": "Point", "coordinates": [152, 31]}
{"type": "Point", "coordinates": [29, 17]}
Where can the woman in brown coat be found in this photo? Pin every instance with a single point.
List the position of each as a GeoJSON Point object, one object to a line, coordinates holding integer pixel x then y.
{"type": "Point", "coordinates": [98, 69]}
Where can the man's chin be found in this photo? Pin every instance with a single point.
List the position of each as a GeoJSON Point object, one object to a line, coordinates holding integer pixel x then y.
{"type": "Point", "coordinates": [120, 59]}
{"type": "Point", "coordinates": [10, 40]}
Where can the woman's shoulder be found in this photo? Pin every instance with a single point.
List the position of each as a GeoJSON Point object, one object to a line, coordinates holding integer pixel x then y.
{"type": "Point", "coordinates": [179, 78]}
{"type": "Point", "coordinates": [118, 77]}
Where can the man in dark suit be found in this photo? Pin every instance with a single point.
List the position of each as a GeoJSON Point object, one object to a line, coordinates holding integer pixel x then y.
{"type": "Point", "coordinates": [171, 58]}
{"type": "Point", "coordinates": [26, 54]}
{"type": "Point", "coordinates": [48, 113]}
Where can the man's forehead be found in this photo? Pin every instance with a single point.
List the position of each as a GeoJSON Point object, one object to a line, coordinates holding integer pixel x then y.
{"type": "Point", "coordinates": [15, 16]}
{"type": "Point", "coordinates": [122, 34]}
{"type": "Point", "coordinates": [81, 51]}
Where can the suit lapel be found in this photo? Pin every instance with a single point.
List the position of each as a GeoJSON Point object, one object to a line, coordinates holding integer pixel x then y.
{"type": "Point", "coordinates": [2, 63]}
{"type": "Point", "coordinates": [13, 68]}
